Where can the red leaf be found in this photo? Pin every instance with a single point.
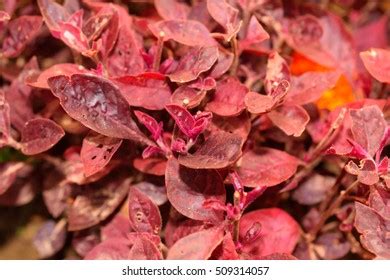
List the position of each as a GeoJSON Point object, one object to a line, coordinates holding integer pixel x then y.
{"type": "Point", "coordinates": [143, 213]}
{"type": "Point", "coordinates": [226, 250]}
{"type": "Point", "coordinates": [266, 167]}
{"type": "Point", "coordinates": [184, 120]}
{"type": "Point", "coordinates": [367, 171]}
{"type": "Point", "coordinates": [258, 103]}
{"type": "Point", "coordinates": [147, 90]}
{"type": "Point", "coordinates": [111, 249]}
{"type": "Point", "coordinates": [65, 69]}
{"type": "Point", "coordinates": [187, 97]}
{"type": "Point", "coordinates": [73, 37]}
{"type": "Point", "coordinates": [21, 31]}
{"type": "Point", "coordinates": [9, 173]}
{"type": "Point", "coordinates": [150, 123]}
{"type": "Point", "coordinates": [323, 40]}
{"type": "Point", "coordinates": [125, 58]}
{"type": "Point", "coordinates": [187, 32]}
{"type": "Point", "coordinates": [97, 151]}
{"type": "Point", "coordinates": [277, 72]}
{"type": "Point", "coordinates": [144, 249]}
{"type": "Point", "coordinates": [228, 99]}
{"type": "Point", "coordinates": [53, 13]}
{"type": "Point", "coordinates": [196, 246]}
{"type": "Point", "coordinates": [96, 202]}
{"type": "Point", "coordinates": [226, 15]}
{"type": "Point", "coordinates": [39, 135]}
{"type": "Point", "coordinates": [98, 104]}
{"type": "Point", "coordinates": [240, 125]}
{"type": "Point", "coordinates": [368, 127]}
{"type": "Point", "coordinates": [157, 194]}
{"type": "Point", "coordinates": [224, 62]}
{"type": "Point", "coordinates": [188, 190]}
{"type": "Point", "coordinates": [377, 63]}
{"type": "Point", "coordinates": [279, 232]}
{"type": "Point", "coordinates": [153, 166]}
{"type": "Point", "coordinates": [310, 86]}
{"type": "Point", "coordinates": [374, 230]}
{"type": "Point", "coordinates": [171, 9]}
{"type": "Point", "coordinates": [220, 150]}
{"type": "Point", "coordinates": [255, 34]}
{"type": "Point", "coordinates": [195, 62]}
{"type": "Point", "coordinates": [292, 119]}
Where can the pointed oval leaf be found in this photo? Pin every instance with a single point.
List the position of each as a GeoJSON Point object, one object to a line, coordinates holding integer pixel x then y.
{"type": "Point", "coordinates": [156, 193]}
{"type": "Point", "coordinates": [144, 249]}
{"type": "Point", "coordinates": [195, 62]}
{"type": "Point", "coordinates": [187, 32]}
{"type": "Point", "coordinates": [98, 104]}
{"type": "Point", "coordinates": [292, 119]}
{"type": "Point", "coordinates": [50, 238]}
{"type": "Point", "coordinates": [279, 232]}
{"type": "Point", "coordinates": [196, 246]}
{"type": "Point", "coordinates": [154, 166]}
{"type": "Point", "coordinates": [143, 213]}
{"type": "Point", "coordinates": [310, 86]}
{"type": "Point", "coordinates": [111, 249]}
{"type": "Point", "coordinates": [171, 9]}
{"type": "Point", "coordinates": [147, 90]}
{"type": "Point", "coordinates": [266, 167]}
{"type": "Point", "coordinates": [66, 69]}
{"type": "Point", "coordinates": [187, 97]}
{"type": "Point", "coordinates": [96, 202]}
{"type": "Point", "coordinates": [21, 31]}
{"type": "Point", "coordinates": [277, 71]}
{"type": "Point", "coordinates": [258, 103]}
{"type": "Point", "coordinates": [188, 190]}
{"type": "Point", "coordinates": [377, 63]}
{"type": "Point", "coordinates": [39, 135]}
{"type": "Point", "coordinates": [228, 99]}
{"type": "Point", "coordinates": [220, 150]}
{"type": "Point", "coordinates": [368, 127]}
{"type": "Point", "coordinates": [97, 151]}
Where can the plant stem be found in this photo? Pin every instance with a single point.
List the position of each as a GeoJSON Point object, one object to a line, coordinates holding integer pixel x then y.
{"type": "Point", "coordinates": [236, 222]}
{"type": "Point", "coordinates": [157, 56]}
{"type": "Point", "coordinates": [234, 67]}
{"type": "Point", "coordinates": [331, 209]}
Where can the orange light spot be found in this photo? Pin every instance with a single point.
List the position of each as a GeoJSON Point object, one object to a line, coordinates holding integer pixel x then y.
{"type": "Point", "coordinates": [300, 64]}
{"type": "Point", "coordinates": [341, 94]}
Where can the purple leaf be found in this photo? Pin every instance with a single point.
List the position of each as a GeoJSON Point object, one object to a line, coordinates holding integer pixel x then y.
{"type": "Point", "coordinates": [50, 238]}
{"type": "Point", "coordinates": [153, 166]}
{"type": "Point", "coordinates": [39, 135]}
{"type": "Point", "coordinates": [110, 249]}
{"type": "Point", "coordinates": [150, 123]}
